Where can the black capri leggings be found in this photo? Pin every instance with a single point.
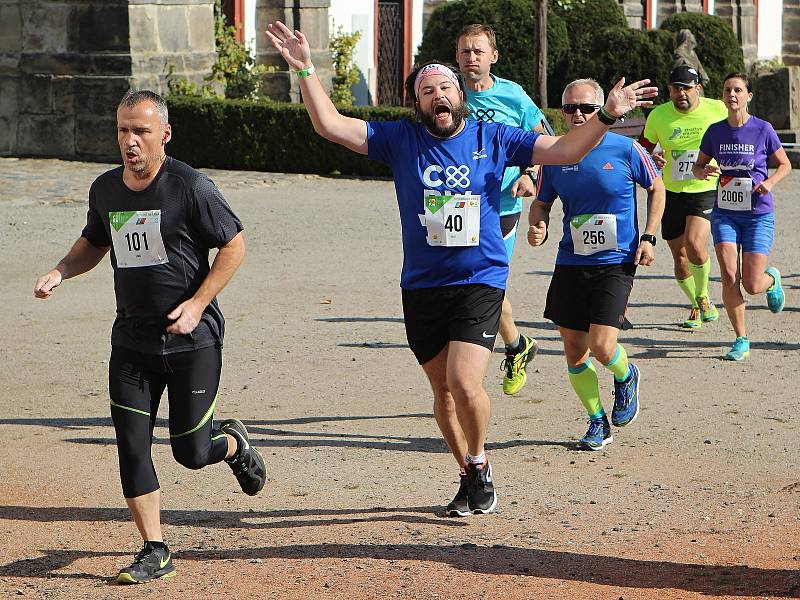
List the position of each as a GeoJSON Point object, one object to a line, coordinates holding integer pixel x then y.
{"type": "Point", "coordinates": [136, 382]}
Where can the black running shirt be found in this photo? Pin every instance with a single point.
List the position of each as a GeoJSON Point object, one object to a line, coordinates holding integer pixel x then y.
{"type": "Point", "coordinates": [160, 240]}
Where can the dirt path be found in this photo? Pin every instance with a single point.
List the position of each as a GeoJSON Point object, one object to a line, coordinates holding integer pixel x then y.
{"type": "Point", "coordinates": [698, 498]}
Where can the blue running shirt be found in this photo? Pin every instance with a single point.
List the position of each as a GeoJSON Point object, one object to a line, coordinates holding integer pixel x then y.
{"type": "Point", "coordinates": [604, 182]}
{"type": "Point", "coordinates": [471, 162]}
{"type": "Point", "coordinates": [505, 102]}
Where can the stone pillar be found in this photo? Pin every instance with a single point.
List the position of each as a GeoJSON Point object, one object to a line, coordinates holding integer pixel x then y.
{"type": "Point", "coordinates": [741, 16]}
{"type": "Point", "coordinates": [791, 32]}
{"type": "Point", "coordinates": [310, 17]}
{"type": "Point", "coordinates": [634, 13]}
{"type": "Point", "coordinates": [65, 65]}
{"type": "Point", "coordinates": [10, 51]}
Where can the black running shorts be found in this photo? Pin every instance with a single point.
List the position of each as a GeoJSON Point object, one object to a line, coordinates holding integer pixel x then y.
{"type": "Point", "coordinates": [464, 313]}
{"type": "Point", "coordinates": [680, 205]}
{"type": "Point", "coordinates": [580, 296]}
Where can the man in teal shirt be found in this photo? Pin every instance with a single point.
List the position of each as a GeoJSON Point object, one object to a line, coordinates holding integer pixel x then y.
{"type": "Point", "coordinates": [496, 100]}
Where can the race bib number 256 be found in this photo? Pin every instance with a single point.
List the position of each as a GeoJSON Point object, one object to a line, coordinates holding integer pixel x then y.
{"type": "Point", "coordinates": [136, 236]}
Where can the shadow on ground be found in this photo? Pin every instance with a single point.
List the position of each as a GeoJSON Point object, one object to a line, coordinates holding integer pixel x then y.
{"type": "Point", "coordinates": [737, 580]}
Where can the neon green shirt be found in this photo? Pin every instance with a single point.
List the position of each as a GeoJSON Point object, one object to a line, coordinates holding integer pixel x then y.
{"type": "Point", "coordinates": [679, 135]}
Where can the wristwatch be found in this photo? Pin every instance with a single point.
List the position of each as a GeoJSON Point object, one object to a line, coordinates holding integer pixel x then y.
{"type": "Point", "coordinates": [646, 237]}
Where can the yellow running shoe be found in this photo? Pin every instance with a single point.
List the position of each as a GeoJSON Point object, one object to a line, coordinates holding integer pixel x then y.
{"type": "Point", "coordinates": [695, 320]}
{"type": "Point", "coordinates": [514, 366]}
{"type": "Point", "coordinates": [708, 311]}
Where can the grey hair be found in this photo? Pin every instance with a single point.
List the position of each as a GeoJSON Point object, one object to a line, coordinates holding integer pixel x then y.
{"type": "Point", "coordinates": [134, 97]}
{"type": "Point", "coordinates": [600, 97]}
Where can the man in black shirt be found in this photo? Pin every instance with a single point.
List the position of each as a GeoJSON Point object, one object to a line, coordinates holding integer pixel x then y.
{"type": "Point", "coordinates": [160, 218]}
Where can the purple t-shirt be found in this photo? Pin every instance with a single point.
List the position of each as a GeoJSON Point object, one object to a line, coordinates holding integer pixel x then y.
{"type": "Point", "coordinates": [743, 152]}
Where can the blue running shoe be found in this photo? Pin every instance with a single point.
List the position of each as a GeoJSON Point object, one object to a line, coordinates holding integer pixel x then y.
{"type": "Point", "coordinates": [626, 398]}
{"type": "Point", "coordinates": [740, 349]}
{"type": "Point", "coordinates": [598, 434]}
{"type": "Point", "coordinates": [775, 296]}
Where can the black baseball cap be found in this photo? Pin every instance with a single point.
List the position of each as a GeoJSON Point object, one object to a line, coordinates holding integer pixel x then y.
{"type": "Point", "coordinates": [684, 76]}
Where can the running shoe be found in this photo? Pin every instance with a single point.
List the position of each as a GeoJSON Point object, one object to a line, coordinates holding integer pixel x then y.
{"type": "Point", "coordinates": [459, 507]}
{"type": "Point", "coordinates": [708, 311]}
{"type": "Point", "coordinates": [514, 366]}
{"type": "Point", "coordinates": [151, 562]}
{"type": "Point", "coordinates": [247, 464]}
{"type": "Point", "coordinates": [740, 349]}
{"type": "Point", "coordinates": [481, 497]}
{"type": "Point", "coordinates": [695, 320]}
{"type": "Point", "coordinates": [626, 398]}
{"type": "Point", "coordinates": [598, 435]}
{"type": "Point", "coordinates": [775, 296]}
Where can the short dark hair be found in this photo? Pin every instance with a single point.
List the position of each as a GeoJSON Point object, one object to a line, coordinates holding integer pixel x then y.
{"type": "Point", "coordinates": [413, 76]}
{"type": "Point", "coordinates": [478, 29]}
{"type": "Point", "coordinates": [742, 76]}
{"type": "Point", "coordinates": [134, 97]}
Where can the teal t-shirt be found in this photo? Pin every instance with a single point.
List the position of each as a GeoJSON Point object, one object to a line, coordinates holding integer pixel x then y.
{"type": "Point", "coordinates": [505, 102]}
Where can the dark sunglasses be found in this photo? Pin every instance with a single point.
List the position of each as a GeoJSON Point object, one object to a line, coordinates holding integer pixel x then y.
{"type": "Point", "coordinates": [584, 108]}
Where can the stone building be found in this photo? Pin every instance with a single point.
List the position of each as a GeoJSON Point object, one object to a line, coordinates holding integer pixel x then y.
{"type": "Point", "coordinates": [65, 65]}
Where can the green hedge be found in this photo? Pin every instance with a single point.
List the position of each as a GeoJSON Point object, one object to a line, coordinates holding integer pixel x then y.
{"type": "Point", "coordinates": [717, 47]}
{"type": "Point", "coordinates": [266, 136]}
{"type": "Point", "coordinates": [271, 136]}
{"type": "Point", "coordinates": [585, 38]}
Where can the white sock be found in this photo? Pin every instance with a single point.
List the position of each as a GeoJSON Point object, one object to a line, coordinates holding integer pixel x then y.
{"type": "Point", "coordinates": [476, 460]}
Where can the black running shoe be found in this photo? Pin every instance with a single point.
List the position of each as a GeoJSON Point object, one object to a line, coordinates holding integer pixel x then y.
{"type": "Point", "coordinates": [459, 506]}
{"type": "Point", "coordinates": [151, 562]}
{"type": "Point", "coordinates": [247, 464]}
{"type": "Point", "coordinates": [481, 496]}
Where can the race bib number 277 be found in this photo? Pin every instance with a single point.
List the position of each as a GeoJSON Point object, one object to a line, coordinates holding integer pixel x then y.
{"type": "Point", "coordinates": [136, 236]}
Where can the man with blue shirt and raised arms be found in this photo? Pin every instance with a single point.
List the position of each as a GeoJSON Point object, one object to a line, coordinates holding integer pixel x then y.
{"type": "Point", "coordinates": [447, 174]}
{"type": "Point", "coordinates": [597, 257]}
{"type": "Point", "coordinates": [493, 99]}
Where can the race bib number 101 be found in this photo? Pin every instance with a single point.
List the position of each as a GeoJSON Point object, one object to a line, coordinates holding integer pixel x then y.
{"type": "Point", "coordinates": [453, 220]}
{"type": "Point", "coordinates": [136, 236]}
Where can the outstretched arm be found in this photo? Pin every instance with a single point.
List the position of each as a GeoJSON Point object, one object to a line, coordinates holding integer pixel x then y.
{"type": "Point", "coordinates": [572, 147]}
{"type": "Point", "coordinates": [82, 257]}
{"type": "Point", "coordinates": [293, 46]}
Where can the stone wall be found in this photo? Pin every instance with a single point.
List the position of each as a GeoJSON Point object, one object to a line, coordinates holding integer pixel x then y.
{"type": "Point", "coordinates": [64, 65]}
{"type": "Point", "coordinates": [791, 32]}
{"type": "Point", "coordinates": [310, 17]}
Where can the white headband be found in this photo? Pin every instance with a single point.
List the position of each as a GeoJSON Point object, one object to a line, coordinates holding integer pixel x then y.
{"type": "Point", "coordinates": [434, 69]}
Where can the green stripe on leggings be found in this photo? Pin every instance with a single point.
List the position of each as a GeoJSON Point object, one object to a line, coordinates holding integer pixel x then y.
{"type": "Point", "coordinates": [136, 410]}
{"type": "Point", "coordinates": [203, 421]}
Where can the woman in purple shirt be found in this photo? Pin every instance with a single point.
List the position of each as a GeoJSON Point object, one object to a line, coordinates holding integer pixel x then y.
{"type": "Point", "coordinates": [743, 214]}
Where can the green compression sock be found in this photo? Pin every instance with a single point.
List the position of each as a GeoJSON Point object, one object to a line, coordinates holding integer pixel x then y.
{"type": "Point", "coordinates": [619, 364]}
{"type": "Point", "coordinates": [584, 381]}
{"type": "Point", "coordinates": [700, 275]}
{"type": "Point", "coordinates": [687, 285]}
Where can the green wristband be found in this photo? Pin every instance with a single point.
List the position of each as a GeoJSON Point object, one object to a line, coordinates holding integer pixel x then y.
{"type": "Point", "coordinates": [306, 72]}
{"type": "Point", "coordinates": [605, 118]}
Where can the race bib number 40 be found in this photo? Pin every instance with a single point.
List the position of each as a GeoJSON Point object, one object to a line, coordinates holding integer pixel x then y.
{"type": "Point", "coordinates": [735, 193]}
{"type": "Point", "coordinates": [593, 233]}
{"type": "Point", "coordinates": [453, 220]}
{"type": "Point", "coordinates": [682, 163]}
{"type": "Point", "coordinates": [136, 236]}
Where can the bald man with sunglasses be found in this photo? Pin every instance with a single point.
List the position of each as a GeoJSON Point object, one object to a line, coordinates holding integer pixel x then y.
{"type": "Point", "coordinates": [597, 257]}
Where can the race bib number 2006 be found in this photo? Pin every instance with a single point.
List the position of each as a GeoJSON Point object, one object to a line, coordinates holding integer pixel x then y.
{"type": "Point", "coordinates": [735, 193]}
{"type": "Point", "coordinates": [136, 236]}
